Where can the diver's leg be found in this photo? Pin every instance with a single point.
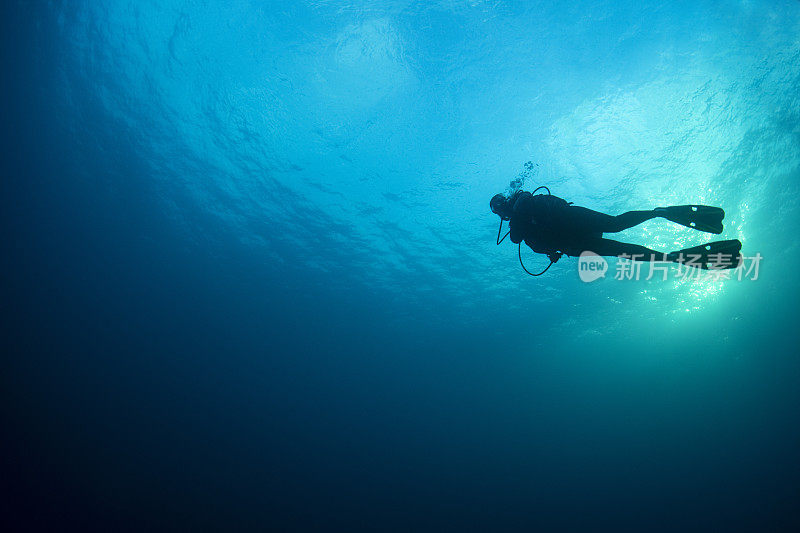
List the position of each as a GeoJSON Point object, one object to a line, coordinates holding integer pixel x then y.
{"type": "Point", "coordinates": [595, 221]}
{"type": "Point", "coordinates": [630, 219]}
{"type": "Point", "coordinates": [608, 247]}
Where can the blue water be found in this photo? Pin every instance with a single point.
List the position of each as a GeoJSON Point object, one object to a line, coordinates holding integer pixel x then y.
{"type": "Point", "coordinates": [250, 279]}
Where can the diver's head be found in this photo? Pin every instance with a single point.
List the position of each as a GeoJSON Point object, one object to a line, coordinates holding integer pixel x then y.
{"type": "Point", "coordinates": [499, 205]}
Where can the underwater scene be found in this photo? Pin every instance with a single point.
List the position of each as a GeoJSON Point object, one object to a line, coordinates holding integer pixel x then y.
{"type": "Point", "coordinates": [251, 276]}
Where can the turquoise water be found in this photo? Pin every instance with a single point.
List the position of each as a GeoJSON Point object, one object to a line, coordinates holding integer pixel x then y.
{"type": "Point", "coordinates": [253, 279]}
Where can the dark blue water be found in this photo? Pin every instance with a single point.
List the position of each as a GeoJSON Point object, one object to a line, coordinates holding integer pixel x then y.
{"type": "Point", "coordinates": [249, 277]}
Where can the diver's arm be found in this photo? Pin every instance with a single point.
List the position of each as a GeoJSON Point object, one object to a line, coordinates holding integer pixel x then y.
{"type": "Point", "coordinates": [541, 247]}
{"type": "Point", "coordinates": [515, 234]}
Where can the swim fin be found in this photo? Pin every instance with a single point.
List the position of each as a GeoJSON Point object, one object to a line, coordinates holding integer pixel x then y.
{"type": "Point", "coordinates": [718, 255]}
{"type": "Point", "coordinates": [699, 217]}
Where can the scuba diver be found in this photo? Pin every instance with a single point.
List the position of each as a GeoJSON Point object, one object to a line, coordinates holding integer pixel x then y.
{"type": "Point", "coordinates": [552, 226]}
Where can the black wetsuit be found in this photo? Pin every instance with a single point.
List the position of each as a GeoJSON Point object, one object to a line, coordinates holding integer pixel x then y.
{"type": "Point", "coordinates": [549, 224]}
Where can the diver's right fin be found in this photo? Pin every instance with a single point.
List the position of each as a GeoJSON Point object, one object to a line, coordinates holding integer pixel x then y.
{"type": "Point", "coordinates": [700, 217]}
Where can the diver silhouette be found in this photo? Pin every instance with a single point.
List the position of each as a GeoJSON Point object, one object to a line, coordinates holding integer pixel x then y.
{"type": "Point", "coordinates": [552, 226]}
